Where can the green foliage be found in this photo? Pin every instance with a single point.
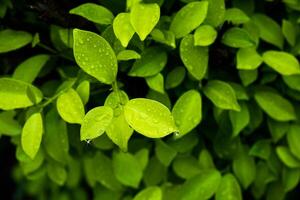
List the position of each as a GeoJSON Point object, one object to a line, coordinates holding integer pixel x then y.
{"type": "Point", "coordinates": [150, 99]}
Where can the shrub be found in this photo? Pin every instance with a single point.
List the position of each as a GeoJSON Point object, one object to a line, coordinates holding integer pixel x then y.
{"type": "Point", "coordinates": [151, 99]}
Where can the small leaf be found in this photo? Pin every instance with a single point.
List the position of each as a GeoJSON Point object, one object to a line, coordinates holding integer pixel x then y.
{"type": "Point", "coordinates": [83, 90]}
{"type": "Point", "coordinates": [261, 149]}
{"type": "Point", "coordinates": [127, 169]}
{"type": "Point", "coordinates": [123, 28]}
{"type": "Point", "coordinates": [248, 76]}
{"type": "Point", "coordinates": [188, 18]}
{"type": "Point", "coordinates": [28, 70]}
{"type": "Point", "coordinates": [128, 55]}
{"type": "Point", "coordinates": [175, 77]}
{"type": "Point", "coordinates": [14, 94]}
{"type": "Point", "coordinates": [11, 40]}
{"type": "Point", "coordinates": [95, 122]}
{"type": "Point", "coordinates": [205, 35]}
{"type": "Point", "coordinates": [186, 167]}
{"type": "Point", "coordinates": [289, 32]}
{"type": "Point", "coordinates": [32, 135]}
{"type": "Point", "coordinates": [164, 37]}
{"type": "Point", "coordinates": [229, 189]}
{"type": "Point", "coordinates": [194, 58]}
{"type": "Point", "coordinates": [240, 91]}
{"type": "Point", "coordinates": [95, 56]}
{"type": "Point", "coordinates": [56, 137]}
{"type": "Point", "coordinates": [156, 82]}
{"type": "Point", "coordinates": [292, 81]}
{"type": "Point", "coordinates": [269, 30]}
{"type": "Point", "coordinates": [205, 160]}
{"type": "Point", "coordinates": [277, 129]}
{"type": "Point", "coordinates": [149, 118]}
{"type": "Point", "coordinates": [93, 12]}
{"type": "Point", "coordinates": [282, 62]}
{"type": "Point", "coordinates": [215, 12]}
{"type": "Point", "coordinates": [150, 193]}
{"type": "Point", "coordinates": [244, 168]}
{"type": "Point", "coordinates": [153, 60]}
{"type": "Point", "coordinates": [287, 157]}
{"type": "Point", "coordinates": [57, 173]}
{"type": "Point", "coordinates": [70, 107]}
{"type": "Point", "coordinates": [164, 152]}
{"type": "Point", "coordinates": [143, 18]}
{"type": "Point", "coordinates": [274, 105]}
{"type": "Point", "coordinates": [239, 119]}
{"type": "Point", "coordinates": [8, 125]}
{"type": "Point", "coordinates": [236, 16]}
{"type": "Point", "coordinates": [155, 172]}
{"type": "Point", "coordinates": [202, 186]}
{"type": "Point", "coordinates": [187, 111]}
{"type": "Point", "coordinates": [248, 59]}
{"type": "Point", "coordinates": [238, 38]}
{"type": "Point", "coordinates": [221, 94]}
{"type": "Point", "coordinates": [293, 138]}
{"type": "Point", "coordinates": [290, 178]}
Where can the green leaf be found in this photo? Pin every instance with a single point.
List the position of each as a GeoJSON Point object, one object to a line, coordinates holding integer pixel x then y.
{"type": "Point", "coordinates": [149, 118]}
{"type": "Point", "coordinates": [240, 91]}
{"type": "Point", "coordinates": [57, 173]}
{"type": "Point", "coordinates": [93, 12]}
{"type": "Point", "coordinates": [289, 32]}
{"type": "Point", "coordinates": [202, 186]}
{"type": "Point", "coordinates": [127, 169]}
{"type": "Point", "coordinates": [11, 40]}
{"type": "Point", "coordinates": [18, 94]}
{"type": "Point", "coordinates": [239, 119]}
{"type": "Point", "coordinates": [186, 166]}
{"type": "Point", "coordinates": [156, 82]}
{"type": "Point", "coordinates": [248, 59]}
{"type": "Point", "coordinates": [277, 129]}
{"type": "Point", "coordinates": [175, 77]}
{"type": "Point", "coordinates": [293, 138]}
{"type": "Point", "coordinates": [236, 16]}
{"type": "Point", "coordinates": [292, 81]}
{"type": "Point", "coordinates": [187, 111]}
{"type": "Point", "coordinates": [261, 149]}
{"type": "Point", "coordinates": [282, 62]}
{"type": "Point", "coordinates": [94, 55]}
{"type": "Point", "coordinates": [143, 157]}
{"type": "Point", "coordinates": [164, 37]}
{"type": "Point", "coordinates": [162, 98]}
{"type": "Point", "coordinates": [215, 12]}
{"type": "Point", "coordinates": [32, 134]}
{"type": "Point", "coordinates": [28, 70]}
{"type": "Point", "coordinates": [123, 28]}
{"type": "Point", "coordinates": [56, 137]}
{"type": "Point", "coordinates": [269, 30]}
{"type": "Point", "coordinates": [119, 131]}
{"type": "Point", "coordinates": [150, 193]}
{"type": "Point", "coordinates": [229, 189]}
{"type": "Point", "coordinates": [205, 35]}
{"type": "Point", "coordinates": [205, 160]}
{"type": "Point", "coordinates": [153, 60]}
{"type": "Point", "coordinates": [238, 38]}
{"type": "Point", "coordinates": [287, 157]}
{"type": "Point", "coordinates": [244, 168]}
{"type": "Point", "coordinates": [143, 18]}
{"type": "Point", "coordinates": [248, 76]}
{"type": "Point", "coordinates": [95, 122]}
{"type": "Point", "coordinates": [274, 105]}
{"type": "Point", "coordinates": [164, 152]}
{"type": "Point", "coordinates": [155, 172]}
{"type": "Point", "coordinates": [290, 178]}
{"type": "Point", "coordinates": [128, 55]}
{"type": "Point", "coordinates": [100, 168]}
{"type": "Point", "coordinates": [188, 18]}
{"type": "Point", "coordinates": [83, 90]}
{"type": "Point", "coordinates": [8, 125]}
{"type": "Point", "coordinates": [194, 58]}
{"type": "Point", "coordinates": [221, 94]}
{"type": "Point", "coordinates": [70, 107]}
